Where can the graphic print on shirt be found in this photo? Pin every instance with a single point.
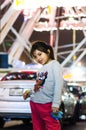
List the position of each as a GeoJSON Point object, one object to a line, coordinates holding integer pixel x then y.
{"type": "Point", "coordinates": [41, 76]}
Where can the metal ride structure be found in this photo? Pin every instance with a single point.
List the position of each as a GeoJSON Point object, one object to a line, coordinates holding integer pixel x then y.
{"type": "Point", "coordinates": [43, 17]}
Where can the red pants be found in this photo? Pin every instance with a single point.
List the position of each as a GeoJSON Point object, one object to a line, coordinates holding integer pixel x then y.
{"type": "Point", "coordinates": [41, 117]}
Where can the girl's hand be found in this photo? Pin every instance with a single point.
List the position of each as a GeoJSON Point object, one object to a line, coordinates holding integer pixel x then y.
{"type": "Point", "coordinates": [37, 87]}
{"type": "Point", "coordinates": [55, 109]}
{"type": "Point", "coordinates": [26, 94]}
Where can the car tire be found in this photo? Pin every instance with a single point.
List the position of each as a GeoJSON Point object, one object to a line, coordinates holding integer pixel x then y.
{"type": "Point", "coordinates": [2, 122]}
{"type": "Point", "coordinates": [76, 113]}
{"type": "Point", "coordinates": [62, 108]}
{"type": "Point", "coordinates": [27, 121]}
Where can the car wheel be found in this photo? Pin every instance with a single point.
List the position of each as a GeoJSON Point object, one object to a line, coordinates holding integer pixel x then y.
{"type": "Point", "coordinates": [76, 113]}
{"type": "Point", "coordinates": [27, 121]}
{"type": "Point", "coordinates": [2, 122]}
{"type": "Point", "coordinates": [62, 108]}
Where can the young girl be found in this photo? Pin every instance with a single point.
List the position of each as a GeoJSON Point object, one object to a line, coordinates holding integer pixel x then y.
{"type": "Point", "coordinates": [47, 95]}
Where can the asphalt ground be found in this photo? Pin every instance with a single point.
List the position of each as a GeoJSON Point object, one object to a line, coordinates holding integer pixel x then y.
{"type": "Point", "coordinates": [18, 125]}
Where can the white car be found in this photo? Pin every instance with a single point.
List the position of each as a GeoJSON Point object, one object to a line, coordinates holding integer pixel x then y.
{"type": "Point", "coordinates": [12, 103]}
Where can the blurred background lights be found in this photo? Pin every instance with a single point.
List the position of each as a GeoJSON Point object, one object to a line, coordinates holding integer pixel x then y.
{"type": "Point", "coordinates": [77, 72]}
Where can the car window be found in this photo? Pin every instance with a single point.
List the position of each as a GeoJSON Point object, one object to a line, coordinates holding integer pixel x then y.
{"type": "Point", "coordinates": [28, 76]}
{"type": "Point", "coordinates": [20, 76]}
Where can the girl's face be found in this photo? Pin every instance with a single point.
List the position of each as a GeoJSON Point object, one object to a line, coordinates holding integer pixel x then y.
{"type": "Point", "coordinates": [41, 57]}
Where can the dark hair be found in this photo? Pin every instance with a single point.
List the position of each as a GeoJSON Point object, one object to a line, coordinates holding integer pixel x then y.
{"type": "Point", "coordinates": [42, 46]}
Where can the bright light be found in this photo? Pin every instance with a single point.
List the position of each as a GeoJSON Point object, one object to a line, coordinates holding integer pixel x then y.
{"type": "Point", "coordinates": [44, 26]}
{"type": "Point", "coordinates": [28, 4]}
{"type": "Point", "coordinates": [79, 64]}
{"type": "Point", "coordinates": [18, 64]}
{"type": "Point", "coordinates": [74, 73]}
{"type": "Point", "coordinates": [77, 72]}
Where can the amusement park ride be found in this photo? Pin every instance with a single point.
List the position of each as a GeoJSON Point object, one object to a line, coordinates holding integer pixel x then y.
{"type": "Point", "coordinates": [51, 15]}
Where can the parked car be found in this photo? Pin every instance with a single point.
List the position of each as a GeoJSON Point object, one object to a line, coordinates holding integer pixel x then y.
{"type": "Point", "coordinates": [83, 102]}
{"type": "Point", "coordinates": [13, 106]}
{"type": "Point", "coordinates": [12, 86]}
{"type": "Point", "coordinates": [70, 105]}
{"type": "Point", "coordinates": [79, 92]}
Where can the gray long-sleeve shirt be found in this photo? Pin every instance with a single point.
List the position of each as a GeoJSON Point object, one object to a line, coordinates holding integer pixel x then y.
{"type": "Point", "coordinates": [52, 87]}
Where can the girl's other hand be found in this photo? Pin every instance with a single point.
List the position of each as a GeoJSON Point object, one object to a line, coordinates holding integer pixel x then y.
{"type": "Point", "coordinates": [55, 109]}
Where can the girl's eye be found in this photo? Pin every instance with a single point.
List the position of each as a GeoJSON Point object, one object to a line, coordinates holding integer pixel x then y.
{"type": "Point", "coordinates": [39, 54]}
{"type": "Point", "coordinates": [35, 57]}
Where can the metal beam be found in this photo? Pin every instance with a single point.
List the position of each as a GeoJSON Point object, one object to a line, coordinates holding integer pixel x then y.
{"type": "Point", "coordinates": [73, 52]}
{"type": "Point", "coordinates": [79, 58]}
{"type": "Point", "coordinates": [8, 25]}
{"type": "Point", "coordinates": [25, 34]}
